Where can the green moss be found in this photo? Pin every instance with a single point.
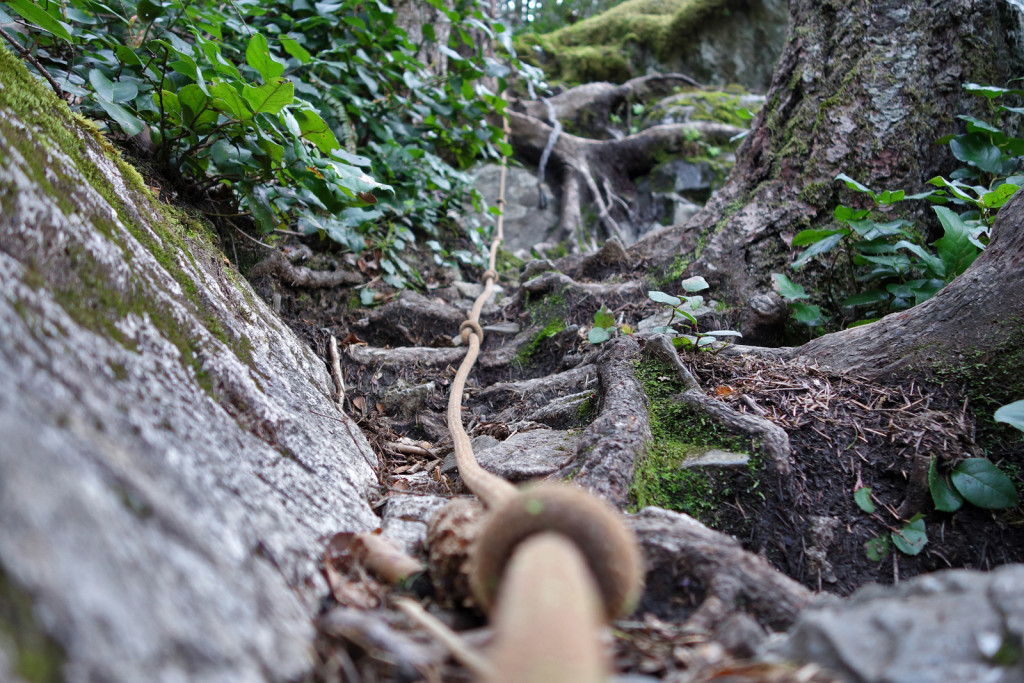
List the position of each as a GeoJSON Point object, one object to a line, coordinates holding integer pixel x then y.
{"type": "Point", "coordinates": [85, 291]}
{"type": "Point", "coordinates": [818, 194]}
{"type": "Point", "coordinates": [678, 432]}
{"type": "Point", "coordinates": [119, 370]}
{"type": "Point", "coordinates": [36, 657]}
{"type": "Point", "coordinates": [530, 348]}
{"type": "Point", "coordinates": [603, 47]}
{"type": "Point", "coordinates": [505, 262]}
{"type": "Point", "coordinates": [586, 411]}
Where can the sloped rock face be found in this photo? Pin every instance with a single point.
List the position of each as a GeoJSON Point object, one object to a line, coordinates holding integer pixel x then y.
{"type": "Point", "coordinates": [170, 457]}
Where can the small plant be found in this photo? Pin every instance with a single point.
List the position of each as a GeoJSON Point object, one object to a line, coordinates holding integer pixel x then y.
{"type": "Point", "coordinates": [685, 309]}
{"type": "Point", "coordinates": [604, 327]}
{"type": "Point", "coordinates": [792, 293]}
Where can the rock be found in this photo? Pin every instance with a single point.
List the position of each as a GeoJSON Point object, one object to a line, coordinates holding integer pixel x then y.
{"type": "Point", "coordinates": [171, 458]}
{"type": "Point", "coordinates": [526, 224]}
{"type": "Point", "coordinates": [955, 625]}
{"type": "Point", "coordinates": [716, 458]}
{"type": "Point", "coordinates": [530, 455]}
{"type": "Point", "coordinates": [406, 518]}
{"type": "Point", "coordinates": [405, 402]}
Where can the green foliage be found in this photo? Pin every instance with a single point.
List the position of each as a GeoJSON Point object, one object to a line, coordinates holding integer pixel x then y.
{"type": "Point", "coordinates": [862, 497]}
{"type": "Point", "coordinates": [1012, 414]}
{"type": "Point", "coordinates": [880, 263]}
{"type": "Point", "coordinates": [804, 313]}
{"type": "Point", "coordinates": [686, 308]}
{"type": "Point", "coordinates": [272, 100]}
{"type": "Point", "coordinates": [912, 538]}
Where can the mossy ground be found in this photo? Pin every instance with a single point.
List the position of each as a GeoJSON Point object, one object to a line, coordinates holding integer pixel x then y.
{"type": "Point", "coordinates": [678, 432]}
{"type": "Point", "coordinates": [609, 46]}
{"type": "Point", "coordinates": [34, 656]}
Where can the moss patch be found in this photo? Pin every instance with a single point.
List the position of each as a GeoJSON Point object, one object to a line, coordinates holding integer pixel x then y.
{"type": "Point", "coordinates": [678, 432]}
{"type": "Point", "coordinates": [36, 657]}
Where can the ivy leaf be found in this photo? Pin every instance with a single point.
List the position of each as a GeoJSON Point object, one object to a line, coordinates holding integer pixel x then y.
{"type": "Point", "coordinates": [955, 248]}
{"type": "Point", "coordinates": [786, 288]}
{"type": "Point", "coordinates": [911, 539]}
{"type": "Point", "coordinates": [295, 49]}
{"type": "Point", "coordinates": [257, 55]}
{"type": "Point", "coordinates": [663, 298]}
{"type": "Point", "coordinates": [821, 247]}
{"type": "Point", "coordinates": [271, 97]}
{"type": "Point", "coordinates": [227, 100]}
{"type": "Point", "coordinates": [695, 284]}
{"type": "Point", "coordinates": [110, 91]}
{"type": "Point", "coordinates": [598, 335]}
{"type": "Point", "coordinates": [130, 124]}
{"type": "Point", "coordinates": [604, 318]}
{"type": "Point", "coordinates": [37, 16]}
{"type": "Point", "coordinates": [1012, 414]}
{"type": "Point", "coordinates": [999, 196]}
{"type": "Point", "coordinates": [983, 484]}
{"type": "Point", "coordinates": [944, 496]}
{"type": "Point", "coordinates": [806, 314]}
{"type": "Point", "coordinates": [854, 185]}
{"type": "Point", "coordinates": [813, 236]}
{"type": "Point", "coordinates": [877, 548]}
{"type": "Point", "coordinates": [862, 497]}
{"type": "Point", "coordinates": [975, 148]}
{"type": "Point", "coordinates": [313, 128]}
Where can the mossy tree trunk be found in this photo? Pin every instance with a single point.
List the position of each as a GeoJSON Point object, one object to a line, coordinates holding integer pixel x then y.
{"type": "Point", "coordinates": [863, 88]}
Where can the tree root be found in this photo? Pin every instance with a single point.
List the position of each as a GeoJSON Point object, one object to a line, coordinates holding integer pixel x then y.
{"type": "Point", "coordinates": [300, 276]}
{"type": "Point", "coordinates": [684, 556]}
{"type": "Point", "coordinates": [613, 441]}
{"type": "Point", "coordinates": [774, 437]}
{"type": "Point", "coordinates": [406, 355]}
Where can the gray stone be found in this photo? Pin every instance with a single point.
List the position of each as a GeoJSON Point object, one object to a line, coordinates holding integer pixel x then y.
{"type": "Point", "coordinates": [405, 402]}
{"type": "Point", "coordinates": [936, 628]}
{"type": "Point", "coordinates": [529, 455]}
{"type": "Point", "coordinates": [171, 458]}
{"type": "Point", "coordinates": [716, 458]}
{"type": "Point", "coordinates": [405, 520]}
{"type": "Point", "coordinates": [525, 224]}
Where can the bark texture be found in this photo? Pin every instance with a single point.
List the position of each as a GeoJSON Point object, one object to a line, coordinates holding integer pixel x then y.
{"type": "Point", "coordinates": [862, 87]}
{"type": "Point", "coordinates": [171, 458]}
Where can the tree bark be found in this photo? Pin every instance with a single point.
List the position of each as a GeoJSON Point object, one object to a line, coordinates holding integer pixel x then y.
{"type": "Point", "coordinates": [862, 87]}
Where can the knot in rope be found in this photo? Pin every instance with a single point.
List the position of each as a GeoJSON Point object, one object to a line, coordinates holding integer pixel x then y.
{"type": "Point", "coordinates": [490, 274]}
{"type": "Point", "coordinates": [469, 327]}
{"type": "Point", "coordinates": [611, 550]}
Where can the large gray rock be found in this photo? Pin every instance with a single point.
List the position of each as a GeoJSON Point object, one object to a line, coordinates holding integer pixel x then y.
{"type": "Point", "coordinates": [948, 627]}
{"type": "Point", "coordinates": [525, 224]}
{"type": "Point", "coordinates": [170, 458]}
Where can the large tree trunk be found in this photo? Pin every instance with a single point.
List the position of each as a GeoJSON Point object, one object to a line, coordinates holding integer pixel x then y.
{"type": "Point", "coordinates": [862, 87]}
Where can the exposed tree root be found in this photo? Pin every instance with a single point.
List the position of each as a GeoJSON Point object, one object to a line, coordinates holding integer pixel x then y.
{"type": "Point", "coordinates": [299, 276]}
{"type": "Point", "coordinates": [685, 557]}
{"type": "Point", "coordinates": [405, 356]}
{"type": "Point", "coordinates": [619, 434]}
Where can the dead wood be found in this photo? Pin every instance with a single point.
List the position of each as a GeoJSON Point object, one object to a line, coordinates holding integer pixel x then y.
{"type": "Point", "coordinates": [553, 281]}
{"type": "Point", "coordinates": [406, 355]}
{"type": "Point", "coordinates": [300, 276]}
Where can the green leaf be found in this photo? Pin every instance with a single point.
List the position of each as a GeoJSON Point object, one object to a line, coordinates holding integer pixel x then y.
{"type": "Point", "coordinates": [149, 11]}
{"type": "Point", "coordinates": [261, 208]}
{"type": "Point", "coordinates": [604, 318]}
{"type": "Point", "coordinates": [944, 496]}
{"type": "Point", "coordinates": [984, 484]}
{"type": "Point", "coordinates": [1012, 414]}
{"type": "Point", "coordinates": [695, 284]}
{"type": "Point", "coordinates": [877, 548]}
{"type": "Point", "coordinates": [873, 296]}
{"type": "Point", "coordinates": [598, 335]}
{"type": "Point", "coordinates": [786, 288]}
{"type": "Point", "coordinates": [367, 296]}
{"type": "Point", "coordinates": [663, 298]}
{"type": "Point", "coordinates": [271, 97]}
{"type": "Point", "coordinates": [723, 333]}
{"type": "Point", "coordinates": [130, 124]}
{"type": "Point", "coordinates": [974, 148]}
{"type": "Point", "coordinates": [978, 126]}
{"type": "Point", "coordinates": [955, 248]}
{"type": "Point", "coordinates": [933, 262]}
{"type": "Point", "coordinates": [257, 55]}
{"type": "Point", "coordinates": [999, 196]}
{"type": "Point", "coordinates": [314, 129]}
{"type": "Point", "coordinates": [806, 314]}
{"type": "Point", "coordinates": [37, 16]}
{"type": "Point", "coordinates": [911, 539]}
{"type": "Point", "coordinates": [955, 187]}
{"type": "Point", "coordinates": [986, 91]}
{"type": "Point", "coordinates": [227, 100]}
{"type": "Point", "coordinates": [814, 236]}
{"type": "Point", "coordinates": [110, 91]}
{"type": "Point", "coordinates": [683, 341]}
{"type": "Point", "coordinates": [817, 248]}
{"type": "Point", "coordinates": [854, 185]}
{"type": "Point", "coordinates": [293, 48]}
{"type": "Point", "coordinates": [862, 497]}
{"type": "Point", "coordinates": [890, 197]}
